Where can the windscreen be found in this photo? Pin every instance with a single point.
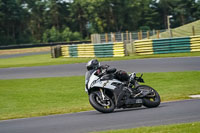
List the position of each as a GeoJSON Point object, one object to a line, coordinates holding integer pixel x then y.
{"type": "Point", "coordinates": [87, 76]}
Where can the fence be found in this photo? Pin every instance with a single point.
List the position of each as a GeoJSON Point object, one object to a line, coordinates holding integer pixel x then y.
{"type": "Point", "coordinates": [170, 45]}
{"type": "Point", "coordinates": [190, 29]}
{"type": "Point", "coordinates": [93, 50]}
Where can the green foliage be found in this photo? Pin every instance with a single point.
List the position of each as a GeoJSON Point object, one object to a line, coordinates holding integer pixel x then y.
{"type": "Point", "coordinates": [76, 36]}
{"type": "Point", "coordinates": [145, 28]}
{"type": "Point", "coordinates": [27, 21]}
{"type": "Point", "coordinates": [53, 35]}
{"type": "Point", "coordinates": [13, 23]}
{"type": "Point", "coordinates": [68, 35]}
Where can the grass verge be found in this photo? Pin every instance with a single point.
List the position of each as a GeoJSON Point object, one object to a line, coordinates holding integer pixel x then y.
{"type": "Point", "coordinates": [193, 127]}
{"type": "Point", "coordinates": [44, 96]}
{"type": "Point", "coordinates": [24, 50]}
{"type": "Point", "coordinates": [45, 59]}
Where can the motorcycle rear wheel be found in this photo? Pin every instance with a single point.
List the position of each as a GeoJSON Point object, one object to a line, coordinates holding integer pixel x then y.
{"type": "Point", "coordinates": [151, 100]}
{"type": "Point", "coordinates": [104, 106]}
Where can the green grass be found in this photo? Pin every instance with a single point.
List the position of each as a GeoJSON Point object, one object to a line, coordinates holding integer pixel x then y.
{"type": "Point", "coordinates": [44, 96]}
{"type": "Point", "coordinates": [41, 60]}
{"type": "Point", "coordinates": [193, 127]}
{"type": "Point", "coordinates": [174, 85]}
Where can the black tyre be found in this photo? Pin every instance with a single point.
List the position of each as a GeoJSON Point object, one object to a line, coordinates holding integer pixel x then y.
{"type": "Point", "coordinates": [151, 100]}
{"type": "Point", "coordinates": [104, 106]}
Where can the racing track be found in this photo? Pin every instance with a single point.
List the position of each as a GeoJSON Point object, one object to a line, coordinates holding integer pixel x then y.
{"type": "Point", "coordinates": [139, 65]}
{"type": "Point", "coordinates": [166, 113]}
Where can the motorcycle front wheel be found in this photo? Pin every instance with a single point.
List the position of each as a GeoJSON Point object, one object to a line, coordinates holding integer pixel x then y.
{"type": "Point", "coordinates": [104, 106]}
{"type": "Point", "coordinates": [152, 99]}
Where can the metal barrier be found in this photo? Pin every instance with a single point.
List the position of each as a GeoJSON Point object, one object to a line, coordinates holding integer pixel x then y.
{"type": "Point", "coordinates": [170, 45]}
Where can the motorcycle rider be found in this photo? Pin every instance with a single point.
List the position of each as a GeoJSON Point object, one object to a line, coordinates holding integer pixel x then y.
{"type": "Point", "coordinates": [94, 64]}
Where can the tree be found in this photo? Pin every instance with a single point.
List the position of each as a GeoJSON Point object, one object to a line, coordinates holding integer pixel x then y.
{"type": "Point", "coordinates": [13, 20]}
{"type": "Point", "coordinates": [183, 11]}
{"type": "Point", "coordinates": [54, 35]}
{"type": "Point", "coordinates": [29, 21]}
{"type": "Point", "coordinates": [51, 35]}
{"type": "Point", "coordinates": [79, 16]}
{"type": "Point", "coordinates": [37, 20]}
{"type": "Point", "coordinates": [164, 8]}
{"type": "Point", "coordinates": [57, 14]}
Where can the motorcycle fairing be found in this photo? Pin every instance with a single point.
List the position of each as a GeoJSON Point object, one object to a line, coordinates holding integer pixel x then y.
{"type": "Point", "coordinates": [108, 84]}
{"type": "Point", "coordinates": [114, 85]}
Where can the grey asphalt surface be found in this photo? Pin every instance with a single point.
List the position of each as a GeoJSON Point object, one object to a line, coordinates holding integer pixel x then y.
{"type": "Point", "coordinates": [139, 65]}
{"type": "Point", "coordinates": [166, 113]}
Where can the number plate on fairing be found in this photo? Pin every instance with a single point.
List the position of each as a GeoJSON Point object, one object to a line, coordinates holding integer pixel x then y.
{"type": "Point", "coordinates": [138, 101]}
{"type": "Point", "coordinates": [133, 101]}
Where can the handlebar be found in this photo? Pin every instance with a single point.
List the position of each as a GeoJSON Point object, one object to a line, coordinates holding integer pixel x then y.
{"type": "Point", "coordinates": [134, 77]}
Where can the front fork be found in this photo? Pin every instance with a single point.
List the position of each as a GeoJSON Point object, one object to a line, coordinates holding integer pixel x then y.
{"type": "Point", "coordinates": [102, 94]}
{"type": "Point", "coordinates": [101, 90]}
{"type": "Point", "coordinates": [105, 101]}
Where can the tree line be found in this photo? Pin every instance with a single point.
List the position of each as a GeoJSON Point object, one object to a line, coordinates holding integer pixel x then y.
{"type": "Point", "coordinates": [38, 21]}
